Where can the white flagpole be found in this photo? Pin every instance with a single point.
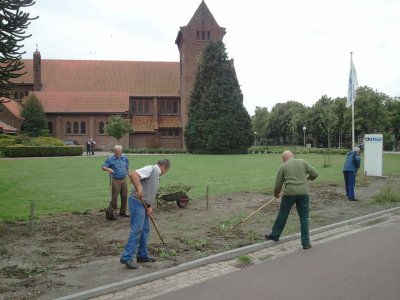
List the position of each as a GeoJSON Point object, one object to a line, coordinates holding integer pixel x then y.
{"type": "Point", "coordinates": [352, 126]}
{"type": "Point", "coordinates": [351, 95]}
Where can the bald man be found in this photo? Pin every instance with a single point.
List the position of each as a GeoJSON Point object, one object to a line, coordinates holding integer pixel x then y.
{"type": "Point", "coordinates": [292, 179]}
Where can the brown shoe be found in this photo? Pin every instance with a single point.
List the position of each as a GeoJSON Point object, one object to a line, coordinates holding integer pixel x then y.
{"type": "Point", "coordinates": [110, 214]}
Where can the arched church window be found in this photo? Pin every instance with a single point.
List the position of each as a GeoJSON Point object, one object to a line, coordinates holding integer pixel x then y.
{"type": "Point", "coordinates": [101, 127]}
{"type": "Point", "coordinates": [68, 128]}
{"type": "Point", "coordinates": [76, 128]}
{"type": "Point", "coordinates": [83, 128]}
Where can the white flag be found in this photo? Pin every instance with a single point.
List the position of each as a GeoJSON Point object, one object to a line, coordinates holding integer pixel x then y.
{"type": "Point", "coordinates": [353, 84]}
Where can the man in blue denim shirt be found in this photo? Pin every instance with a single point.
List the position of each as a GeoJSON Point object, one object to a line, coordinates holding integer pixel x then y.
{"type": "Point", "coordinates": [351, 165]}
{"type": "Point", "coordinates": [141, 202]}
{"type": "Point", "coordinates": [117, 166]}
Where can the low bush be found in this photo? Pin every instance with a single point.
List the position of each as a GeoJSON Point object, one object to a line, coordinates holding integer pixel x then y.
{"type": "Point", "coordinates": [46, 141]}
{"type": "Point", "coordinates": [294, 149]}
{"type": "Point", "coordinates": [42, 151]}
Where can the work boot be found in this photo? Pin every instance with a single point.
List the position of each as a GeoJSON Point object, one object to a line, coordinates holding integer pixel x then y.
{"type": "Point", "coordinates": [129, 264]}
{"type": "Point", "coordinates": [270, 237]}
{"type": "Point", "coordinates": [146, 259]}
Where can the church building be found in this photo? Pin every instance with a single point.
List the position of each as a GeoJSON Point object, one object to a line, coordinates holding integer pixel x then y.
{"type": "Point", "coordinates": [78, 96]}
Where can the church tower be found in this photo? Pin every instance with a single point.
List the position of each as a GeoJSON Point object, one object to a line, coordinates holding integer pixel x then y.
{"type": "Point", "coordinates": [191, 41]}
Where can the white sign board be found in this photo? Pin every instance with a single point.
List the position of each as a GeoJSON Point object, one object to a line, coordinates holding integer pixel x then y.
{"type": "Point", "coordinates": [373, 155]}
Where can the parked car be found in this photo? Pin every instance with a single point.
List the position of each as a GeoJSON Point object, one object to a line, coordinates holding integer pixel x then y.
{"type": "Point", "coordinates": [71, 142]}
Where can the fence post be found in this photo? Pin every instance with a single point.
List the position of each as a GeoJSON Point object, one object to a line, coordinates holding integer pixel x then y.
{"type": "Point", "coordinates": [32, 216]}
{"type": "Point", "coordinates": [207, 191]}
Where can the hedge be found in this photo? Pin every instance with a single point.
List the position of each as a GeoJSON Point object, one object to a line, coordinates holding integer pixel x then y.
{"type": "Point", "coordinates": [41, 151]}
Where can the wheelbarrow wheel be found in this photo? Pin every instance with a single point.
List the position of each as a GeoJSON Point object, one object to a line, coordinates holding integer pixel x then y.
{"type": "Point", "coordinates": [182, 202]}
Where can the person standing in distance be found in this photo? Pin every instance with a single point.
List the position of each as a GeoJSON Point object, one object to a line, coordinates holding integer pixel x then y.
{"type": "Point", "coordinates": [117, 166]}
{"type": "Point", "coordinates": [291, 180]}
{"type": "Point", "coordinates": [141, 202]}
{"type": "Point", "coordinates": [351, 165]}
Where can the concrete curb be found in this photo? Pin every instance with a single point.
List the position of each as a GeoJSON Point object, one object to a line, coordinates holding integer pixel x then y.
{"type": "Point", "coordinates": [124, 284]}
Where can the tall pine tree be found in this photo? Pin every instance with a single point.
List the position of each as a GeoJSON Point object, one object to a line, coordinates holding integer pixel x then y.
{"type": "Point", "coordinates": [13, 23]}
{"type": "Point", "coordinates": [218, 122]}
{"type": "Point", "coordinates": [35, 123]}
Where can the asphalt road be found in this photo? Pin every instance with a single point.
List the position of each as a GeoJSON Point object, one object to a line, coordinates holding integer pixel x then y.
{"type": "Point", "coordinates": [362, 265]}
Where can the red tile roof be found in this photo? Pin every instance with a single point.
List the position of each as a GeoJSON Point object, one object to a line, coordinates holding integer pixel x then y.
{"type": "Point", "coordinates": [137, 78]}
{"type": "Point", "coordinates": [94, 102]}
{"type": "Point", "coordinates": [12, 106]}
{"type": "Point", "coordinates": [83, 86]}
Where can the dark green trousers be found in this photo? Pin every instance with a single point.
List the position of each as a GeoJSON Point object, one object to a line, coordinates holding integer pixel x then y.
{"type": "Point", "coordinates": [302, 206]}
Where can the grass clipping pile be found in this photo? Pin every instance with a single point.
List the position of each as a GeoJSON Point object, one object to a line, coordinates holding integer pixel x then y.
{"type": "Point", "coordinates": [74, 252]}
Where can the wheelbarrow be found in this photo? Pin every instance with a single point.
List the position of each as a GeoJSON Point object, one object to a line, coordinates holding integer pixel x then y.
{"type": "Point", "coordinates": [173, 193]}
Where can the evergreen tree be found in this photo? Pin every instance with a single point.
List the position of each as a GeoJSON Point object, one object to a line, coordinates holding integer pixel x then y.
{"type": "Point", "coordinates": [35, 123]}
{"type": "Point", "coordinates": [117, 127]}
{"type": "Point", "coordinates": [218, 121]}
{"type": "Point", "coordinates": [13, 23]}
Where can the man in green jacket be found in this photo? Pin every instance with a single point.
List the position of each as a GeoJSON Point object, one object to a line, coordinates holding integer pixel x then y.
{"type": "Point", "coordinates": [293, 175]}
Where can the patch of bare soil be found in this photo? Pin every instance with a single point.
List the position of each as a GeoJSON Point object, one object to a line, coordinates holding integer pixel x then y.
{"type": "Point", "coordinates": [74, 252]}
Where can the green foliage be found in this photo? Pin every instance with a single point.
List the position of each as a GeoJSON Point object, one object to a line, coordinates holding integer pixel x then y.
{"type": "Point", "coordinates": [155, 150]}
{"type": "Point", "coordinates": [117, 127]}
{"type": "Point", "coordinates": [245, 259]}
{"type": "Point", "coordinates": [173, 191]}
{"type": "Point", "coordinates": [35, 120]}
{"type": "Point", "coordinates": [14, 22]}
{"type": "Point", "coordinates": [198, 244]}
{"type": "Point", "coordinates": [218, 121]}
{"type": "Point", "coordinates": [329, 121]}
{"type": "Point", "coordinates": [286, 122]}
{"type": "Point", "coordinates": [46, 141]}
{"type": "Point", "coordinates": [42, 151]}
{"type": "Point", "coordinates": [5, 141]}
{"type": "Point", "coordinates": [260, 123]}
{"type": "Point", "coordinates": [390, 193]}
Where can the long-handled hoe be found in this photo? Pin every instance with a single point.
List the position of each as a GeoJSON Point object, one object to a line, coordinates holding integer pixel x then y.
{"type": "Point", "coordinates": [153, 222]}
{"type": "Point", "coordinates": [258, 209]}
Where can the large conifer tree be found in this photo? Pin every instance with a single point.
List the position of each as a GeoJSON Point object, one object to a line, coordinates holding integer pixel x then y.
{"type": "Point", "coordinates": [218, 121]}
{"type": "Point", "coordinates": [13, 23]}
{"type": "Point", "coordinates": [35, 122]}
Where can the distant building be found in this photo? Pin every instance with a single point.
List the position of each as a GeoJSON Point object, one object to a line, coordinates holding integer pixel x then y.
{"type": "Point", "coordinates": [79, 96]}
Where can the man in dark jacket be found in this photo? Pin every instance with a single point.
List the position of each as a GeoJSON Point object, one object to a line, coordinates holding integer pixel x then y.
{"type": "Point", "coordinates": [351, 165]}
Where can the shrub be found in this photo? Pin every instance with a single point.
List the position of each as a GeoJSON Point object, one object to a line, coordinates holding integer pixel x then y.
{"type": "Point", "coordinates": [41, 151]}
{"type": "Point", "coordinates": [46, 141]}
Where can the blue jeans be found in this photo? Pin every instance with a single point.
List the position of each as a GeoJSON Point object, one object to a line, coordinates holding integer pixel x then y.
{"type": "Point", "coordinates": [349, 182]}
{"type": "Point", "coordinates": [302, 206]}
{"type": "Point", "coordinates": [139, 233]}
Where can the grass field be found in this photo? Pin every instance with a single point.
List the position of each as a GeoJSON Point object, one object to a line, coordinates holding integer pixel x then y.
{"type": "Point", "coordinates": [76, 184]}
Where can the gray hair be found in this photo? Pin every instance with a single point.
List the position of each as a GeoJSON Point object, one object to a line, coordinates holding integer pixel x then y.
{"type": "Point", "coordinates": [164, 162]}
{"type": "Point", "coordinates": [357, 149]}
{"type": "Point", "coordinates": [119, 147]}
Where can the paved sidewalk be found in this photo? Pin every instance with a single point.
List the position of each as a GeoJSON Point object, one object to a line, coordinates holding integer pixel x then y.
{"type": "Point", "coordinates": [219, 266]}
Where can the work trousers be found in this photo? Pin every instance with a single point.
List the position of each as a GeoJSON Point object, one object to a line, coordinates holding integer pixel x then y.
{"type": "Point", "coordinates": [119, 187]}
{"type": "Point", "coordinates": [139, 234]}
{"type": "Point", "coordinates": [302, 206]}
{"type": "Point", "coordinates": [350, 182]}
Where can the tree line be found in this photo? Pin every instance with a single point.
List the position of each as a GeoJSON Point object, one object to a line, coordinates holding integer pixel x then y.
{"type": "Point", "coordinates": [327, 123]}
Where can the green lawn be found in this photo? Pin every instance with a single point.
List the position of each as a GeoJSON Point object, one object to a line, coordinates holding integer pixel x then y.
{"type": "Point", "coordinates": [76, 184]}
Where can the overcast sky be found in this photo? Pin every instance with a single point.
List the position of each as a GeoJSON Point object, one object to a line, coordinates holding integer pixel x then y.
{"type": "Point", "coordinates": [283, 50]}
